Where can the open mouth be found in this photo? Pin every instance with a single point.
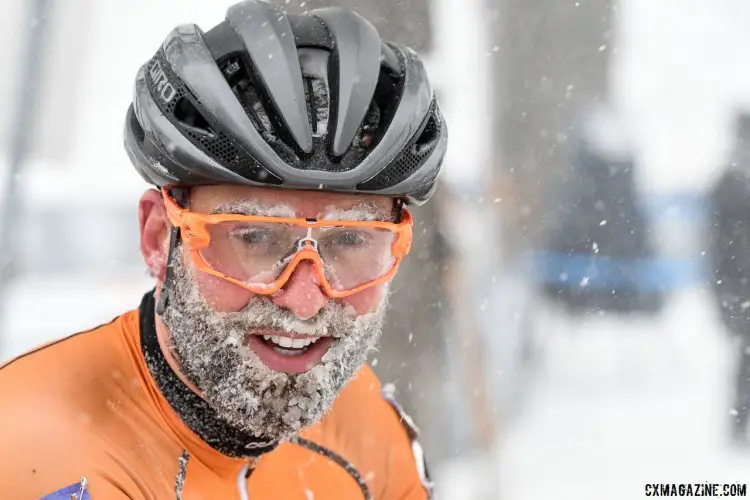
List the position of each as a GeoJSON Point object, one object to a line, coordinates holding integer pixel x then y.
{"type": "Point", "coordinates": [288, 346]}
{"type": "Point", "coordinates": [288, 352]}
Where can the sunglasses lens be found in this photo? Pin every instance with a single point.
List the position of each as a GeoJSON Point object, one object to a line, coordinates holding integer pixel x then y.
{"type": "Point", "coordinates": [257, 253]}
{"type": "Point", "coordinates": [251, 252]}
{"type": "Point", "coordinates": [354, 256]}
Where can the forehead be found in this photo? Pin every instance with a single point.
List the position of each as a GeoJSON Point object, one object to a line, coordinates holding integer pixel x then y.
{"type": "Point", "coordinates": [305, 204]}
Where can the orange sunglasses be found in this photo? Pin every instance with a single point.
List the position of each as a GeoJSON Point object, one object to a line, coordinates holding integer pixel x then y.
{"type": "Point", "coordinates": [199, 231]}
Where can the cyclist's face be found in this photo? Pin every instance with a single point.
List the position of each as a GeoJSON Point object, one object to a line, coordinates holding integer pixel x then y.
{"type": "Point", "coordinates": [302, 295]}
{"type": "Point", "coordinates": [290, 352]}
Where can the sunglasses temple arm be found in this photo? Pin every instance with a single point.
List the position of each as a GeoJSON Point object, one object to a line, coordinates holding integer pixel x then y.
{"type": "Point", "coordinates": [169, 278]}
{"type": "Point", "coordinates": [180, 195]}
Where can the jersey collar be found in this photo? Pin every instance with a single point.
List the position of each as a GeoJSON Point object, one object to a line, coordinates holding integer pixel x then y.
{"type": "Point", "coordinates": [192, 410]}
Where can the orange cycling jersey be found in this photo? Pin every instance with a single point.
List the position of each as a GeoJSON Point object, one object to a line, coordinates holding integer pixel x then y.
{"type": "Point", "coordinates": [99, 413]}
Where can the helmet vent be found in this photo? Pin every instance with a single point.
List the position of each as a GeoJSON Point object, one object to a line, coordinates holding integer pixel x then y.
{"type": "Point", "coordinates": [135, 126]}
{"type": "Point", "coordinates": [429, 136]}
{"type": "Point", "coordinates": [186, 112]}
{"type": "Point", "coordinates": [365, 138]}
{"type": "Point", "coordinates": [239, 78]}
{"type": "Point", "coordinates": [321, 101]}
{"type": "Point", "coordinates": [410, 159]}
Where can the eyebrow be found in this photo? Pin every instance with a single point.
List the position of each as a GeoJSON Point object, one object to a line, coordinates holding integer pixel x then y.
{"type": "Point", "coordinates": [361, 212]}
{"type": "Point", "coordinates": [246, 207]}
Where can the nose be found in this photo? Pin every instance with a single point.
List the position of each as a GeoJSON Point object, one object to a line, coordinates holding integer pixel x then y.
{"type": "Point", "coordinates": [302, 294]}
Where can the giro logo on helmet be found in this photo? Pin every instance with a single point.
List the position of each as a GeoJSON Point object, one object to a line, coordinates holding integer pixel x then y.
{"type": "Point", "coordinates": [163, 87]}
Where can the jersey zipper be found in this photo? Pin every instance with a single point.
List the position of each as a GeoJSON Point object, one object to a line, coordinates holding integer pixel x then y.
{"type": "Point", "coordinates": [243, 476]}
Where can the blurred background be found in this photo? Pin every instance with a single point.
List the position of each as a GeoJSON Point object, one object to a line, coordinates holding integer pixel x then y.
{"type": "Point", "coordinates": [573, 319]}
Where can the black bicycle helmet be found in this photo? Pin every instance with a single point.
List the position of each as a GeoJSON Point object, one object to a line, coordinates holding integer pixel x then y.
{"type": "Point", "coordinates": [313, 101]}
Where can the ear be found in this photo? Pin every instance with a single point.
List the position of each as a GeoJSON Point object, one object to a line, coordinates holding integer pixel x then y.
{"type": "Point", "coordinates": [154, 227]}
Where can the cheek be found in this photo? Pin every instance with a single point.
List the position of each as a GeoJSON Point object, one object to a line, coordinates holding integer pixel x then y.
{"type": "Point", "coordinates": [220, 294]}
{"type": "Point", "coordinates": [366, 301]}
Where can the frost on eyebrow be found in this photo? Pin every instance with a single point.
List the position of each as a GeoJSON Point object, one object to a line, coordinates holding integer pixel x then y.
{"type": "Point", "coordinates": [247, 207]}
{"type": "Point", "coordinates": [362, 212]}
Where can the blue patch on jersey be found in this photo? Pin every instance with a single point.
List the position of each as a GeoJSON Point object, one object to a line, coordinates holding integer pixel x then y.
{"type": "Point", "coordinates": [77, 491]}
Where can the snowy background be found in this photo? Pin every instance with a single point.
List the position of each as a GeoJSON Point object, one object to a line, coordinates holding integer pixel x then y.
{"type": "Point", "coordinates": [618, 403]}
{"type": "Point", "coordinates": [611, 403]}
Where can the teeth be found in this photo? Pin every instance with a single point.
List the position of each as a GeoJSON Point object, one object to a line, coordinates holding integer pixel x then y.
{"type": "Point", "coordinates": [289, 343]}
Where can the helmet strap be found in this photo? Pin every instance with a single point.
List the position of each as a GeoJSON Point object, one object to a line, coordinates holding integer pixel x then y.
{"type": "Point", "coordinates": [397, 208]}
{"type": "Point", "coordinates": [180, 195]}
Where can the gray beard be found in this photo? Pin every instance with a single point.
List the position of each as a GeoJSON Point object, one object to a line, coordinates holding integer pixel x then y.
{"type": "Point", "coordinates": [241, 389]}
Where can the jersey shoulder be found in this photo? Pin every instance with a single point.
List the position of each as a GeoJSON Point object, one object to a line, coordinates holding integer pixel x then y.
{"type": "Point", "coordinates": [55, 401]}
{"type": "Point", "coordinates": [67, 370]}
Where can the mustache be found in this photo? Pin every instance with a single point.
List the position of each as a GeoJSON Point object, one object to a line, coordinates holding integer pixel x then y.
{"type": "Point", "coordinates": [262, 313]}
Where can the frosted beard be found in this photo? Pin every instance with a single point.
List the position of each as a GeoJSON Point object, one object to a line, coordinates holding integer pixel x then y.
{"type": "Point", "coordinates": [243, 391]}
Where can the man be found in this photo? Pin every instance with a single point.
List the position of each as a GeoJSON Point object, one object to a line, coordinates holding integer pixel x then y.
{"type": "Point", "coordinates": [730, 259]}
{"type": "Point", "coordinates": [284, 148]}
{"type": "Point", "coordinates": [600, 246]}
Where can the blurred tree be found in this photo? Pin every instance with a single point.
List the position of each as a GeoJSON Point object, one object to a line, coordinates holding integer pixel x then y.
{"type": "Point", "coordinates": [67, 32]}
{"type": "Point", "coordinates": [552, 62]}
